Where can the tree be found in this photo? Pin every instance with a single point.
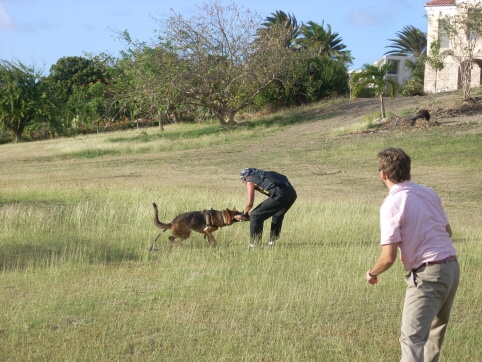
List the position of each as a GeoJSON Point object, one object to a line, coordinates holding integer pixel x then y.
{"type": "Point", "coordinates": [70, 80]}
{"type": "Point", "coordinates": [221, 65]}
{"type": "Point", "coordinates": [314, 78]}
{"type": "Point", "coordinates": [464, 30]}
{"type": "Point", "coordinates": [23, 97]}
{"type": "Point", "coordinates": [70, 72]}
{"type": "Point", "coordinates": [376, 78]}
{"type": "Point", "coordinates": [411, 41]}
{"type": "Point", "coordinates": [321, 67]}
{"type": "Point", "coordinates": [144, 81]}
{"type": "Point", "coordinates": [436, 60]}
{"type": "Point", "coordinates": [324, 77]}
{"type": "Point", "coordinates": [88, 104]}
{"type": "Point", "coordinates": [287, 21]}
{"type": "Point", "coordinates": [323, 42]}
{"type": "Point", "coordinates": [414, 86]}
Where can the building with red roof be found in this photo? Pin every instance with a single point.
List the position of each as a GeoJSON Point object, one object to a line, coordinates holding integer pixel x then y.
{"type": "Point", "coordinates": [440, 2]}
{"type": "Point", "coordinates": [450, 77]}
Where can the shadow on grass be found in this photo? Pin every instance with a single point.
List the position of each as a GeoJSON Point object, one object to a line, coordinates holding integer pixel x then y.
{"type": "Point", "coordinates": [92, 153]}
{"type": "Point", "coordinates": [202, 130]}
{"type": "Point", "coordinates": [213, 129]}
{"type": "Point", "coordinates": [24, 256]}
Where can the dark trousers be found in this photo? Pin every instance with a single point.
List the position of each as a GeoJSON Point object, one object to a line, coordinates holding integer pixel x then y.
{"type": "Point", "coordinates": [276, 206]}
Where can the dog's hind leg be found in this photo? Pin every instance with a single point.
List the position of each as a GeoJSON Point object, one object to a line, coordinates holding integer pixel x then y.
{"type": "Point", "coordinates": [173, 238]}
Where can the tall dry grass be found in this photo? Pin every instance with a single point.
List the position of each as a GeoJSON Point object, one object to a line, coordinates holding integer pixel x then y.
{"type": "Point", "coordinates": [78, 283]}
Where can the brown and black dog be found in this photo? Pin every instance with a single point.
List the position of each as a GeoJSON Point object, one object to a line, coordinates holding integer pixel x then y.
{"type": "Point", "coordinates": [204, 222]}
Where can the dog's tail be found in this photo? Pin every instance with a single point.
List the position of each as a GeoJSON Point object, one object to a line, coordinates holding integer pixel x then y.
{"type": "Point", "coordinates": [157, 222]}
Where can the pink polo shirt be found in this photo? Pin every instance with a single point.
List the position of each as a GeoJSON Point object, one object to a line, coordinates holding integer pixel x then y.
{"type": "Point", "coordinates": [414, 215]}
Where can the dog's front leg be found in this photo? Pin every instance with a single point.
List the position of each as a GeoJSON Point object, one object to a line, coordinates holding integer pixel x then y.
{"type": "Point", "coordinates": [207, 232]}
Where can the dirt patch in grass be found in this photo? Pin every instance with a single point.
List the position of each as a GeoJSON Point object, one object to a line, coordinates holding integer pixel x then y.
{"type": "Point", "coordinates": [447, 109]}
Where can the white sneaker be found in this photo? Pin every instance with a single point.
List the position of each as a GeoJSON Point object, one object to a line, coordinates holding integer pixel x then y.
{"type": "Point", "coordinates": [272, 243]}
{"type": "Point", "coordinates": [251, 246]}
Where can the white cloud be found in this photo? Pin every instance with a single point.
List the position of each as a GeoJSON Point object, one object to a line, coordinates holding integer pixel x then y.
{"type": "Point", "coordinates": [376, 16]}
{"type": "Point", "coordinates": [6, 21]}
{"type": "Point", "coordinates": [366, 18]}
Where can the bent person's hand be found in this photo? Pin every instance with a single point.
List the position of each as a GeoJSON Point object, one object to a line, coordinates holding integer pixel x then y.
{"type": "Point", "coordinates": [242, 217]}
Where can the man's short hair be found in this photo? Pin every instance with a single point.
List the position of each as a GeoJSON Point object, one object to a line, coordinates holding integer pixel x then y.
{"type": "Point", "coordinates": [396, 164]}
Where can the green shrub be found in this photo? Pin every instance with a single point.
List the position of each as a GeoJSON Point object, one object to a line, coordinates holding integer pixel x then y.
{"type": "Point", "coordinates": [411, 88]}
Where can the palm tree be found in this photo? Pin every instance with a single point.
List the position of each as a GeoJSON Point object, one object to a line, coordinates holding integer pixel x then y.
{"type": "Point", "coordinates": [323, 42]}
{"type": "Point", "coordinates": [287, 21]}
{"type": "Point", "coordinates": [374, 77]}
{"type": "Point", "coordinates": [411, 41]}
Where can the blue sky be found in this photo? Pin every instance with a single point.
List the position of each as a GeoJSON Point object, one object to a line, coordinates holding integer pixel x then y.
{"type": "Point", "coordinates": [39, 32]}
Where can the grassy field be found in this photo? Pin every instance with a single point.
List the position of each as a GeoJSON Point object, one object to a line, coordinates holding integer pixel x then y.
{"type": "Point", "coordinates": [79, 284]}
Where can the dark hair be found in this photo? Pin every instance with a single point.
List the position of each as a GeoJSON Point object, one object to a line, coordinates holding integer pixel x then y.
{"type": "Point", "coordinates": [395, 163]}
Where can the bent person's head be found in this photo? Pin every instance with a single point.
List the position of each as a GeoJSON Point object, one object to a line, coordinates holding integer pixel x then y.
{"type": "Point", "coordinates": [247, 172]}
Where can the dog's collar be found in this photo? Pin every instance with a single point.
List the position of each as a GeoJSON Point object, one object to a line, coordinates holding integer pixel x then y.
{"type": "Point", "coordinates": [208, 218]}
{"type": "Point", "coordinates": [224, 218]}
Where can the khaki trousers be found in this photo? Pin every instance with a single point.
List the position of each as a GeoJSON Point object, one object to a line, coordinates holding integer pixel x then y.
{"type": "Point", "coordinates": [428, 300]}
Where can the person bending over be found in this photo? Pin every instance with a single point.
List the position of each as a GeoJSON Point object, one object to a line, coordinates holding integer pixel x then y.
{"type": "Point", "coordinates": [281, 196]}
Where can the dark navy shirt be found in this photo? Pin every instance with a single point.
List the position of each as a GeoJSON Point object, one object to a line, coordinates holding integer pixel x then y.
{"type": "Point", "coordinates": [265, 183]}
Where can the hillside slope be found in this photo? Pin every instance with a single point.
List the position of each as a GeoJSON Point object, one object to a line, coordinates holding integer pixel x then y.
{"type": "Point", "coordinates": [446, 109]}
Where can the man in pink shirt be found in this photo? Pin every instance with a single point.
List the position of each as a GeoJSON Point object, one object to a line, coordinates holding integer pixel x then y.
{"type": "Point", "coordinates": [413, 220]}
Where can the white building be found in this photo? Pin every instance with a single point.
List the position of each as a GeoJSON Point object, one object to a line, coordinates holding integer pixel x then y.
{"type": "Point", "coordinates": [448, 79]}
{"type": "Point", "coordinates": [400, 72]}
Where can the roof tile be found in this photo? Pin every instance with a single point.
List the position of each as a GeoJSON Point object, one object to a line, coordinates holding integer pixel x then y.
{"type": "Point", "coordinates": [440, 2]}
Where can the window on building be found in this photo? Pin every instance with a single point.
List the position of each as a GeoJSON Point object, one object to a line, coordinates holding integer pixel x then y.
{"type": "Point", "coordinates": [474, 24]}
{"type": "Point", "coordinates": [393, 66]}
{"type": "Point", "coordinates": [443, 36]}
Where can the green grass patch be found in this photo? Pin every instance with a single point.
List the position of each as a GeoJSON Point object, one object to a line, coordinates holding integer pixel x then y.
{"type": "Point", "coordinates": [79, 284]}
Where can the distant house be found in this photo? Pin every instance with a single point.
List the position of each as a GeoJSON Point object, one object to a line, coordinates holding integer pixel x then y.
{"type": "Point", "coordinates": [400, 72]}
{"type": "Point", "coordinates": [448, 79]}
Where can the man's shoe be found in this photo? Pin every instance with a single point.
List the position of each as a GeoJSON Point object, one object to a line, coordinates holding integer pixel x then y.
{"type": "Point", "coordinates": [272, 243]}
